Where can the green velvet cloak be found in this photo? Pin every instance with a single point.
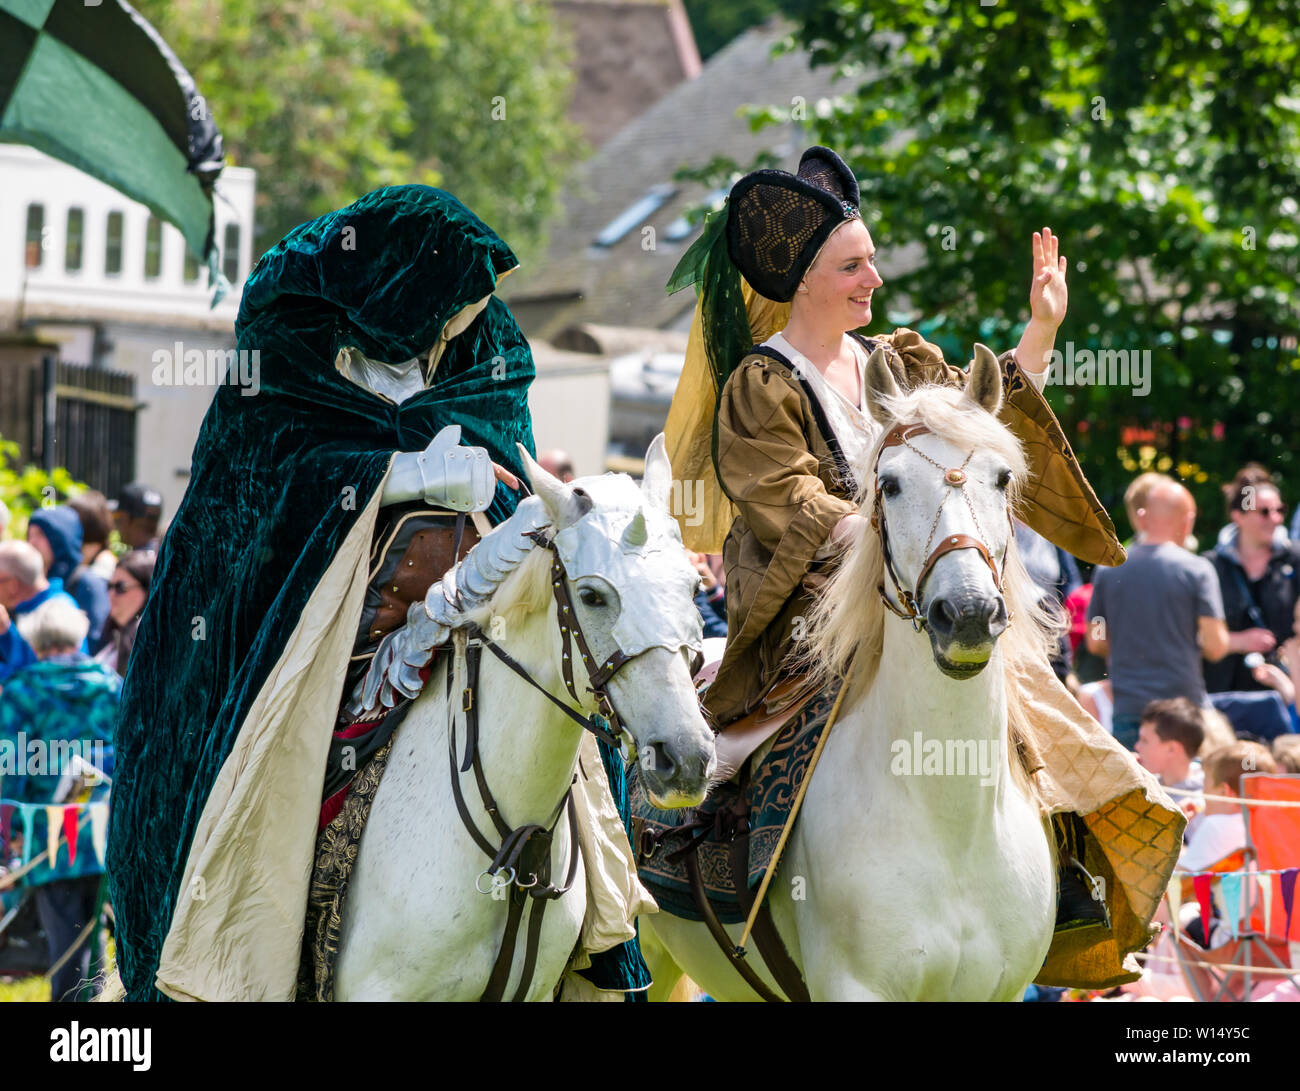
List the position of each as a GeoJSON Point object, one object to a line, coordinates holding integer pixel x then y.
{"type": "Point", "coordinates": [278, 480]}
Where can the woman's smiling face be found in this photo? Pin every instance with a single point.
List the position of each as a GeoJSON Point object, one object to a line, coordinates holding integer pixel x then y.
{"type": "Point", "coordinates": [841, 281]}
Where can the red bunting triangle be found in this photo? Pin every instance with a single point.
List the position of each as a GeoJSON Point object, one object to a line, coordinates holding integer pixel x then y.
{"type": "Point", "coordinates": [70, 831]}
{"type": "Point", "coordinates": [1201, 885]}
{"type": "Point", "coordinates": [1288, 894]}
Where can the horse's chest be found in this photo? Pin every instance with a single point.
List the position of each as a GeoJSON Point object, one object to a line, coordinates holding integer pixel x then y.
{"type": "Point", "coordinates": [932, 910]}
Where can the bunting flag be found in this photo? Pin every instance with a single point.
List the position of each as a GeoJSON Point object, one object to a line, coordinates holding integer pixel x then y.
{"type": "Point", "coordinates": [28, 814]}
{"type": "Point", "coordinates": [53, 819]}
{"type": "Point", "coordinates": [1201, 885]}
{"type": "Point", "coordinates": [70, 815]}
{"type": "Point", "coordinates": [1288, 894]}
{"type": "Point", "coordinates": [63, 823]}
{"type": "Point", "coordinates": [1266, 898]}
{"type": "Point", "coordinates": [99, 829]}
{"type": "Point", "coordinates": [1230, 886]}
{"type": "Point", "coordinates": [95, 85]}
{"type": "Point", "coordinates": [1175, 893]}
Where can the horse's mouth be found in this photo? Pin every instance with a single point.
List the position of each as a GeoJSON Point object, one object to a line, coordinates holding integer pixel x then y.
{"type": "Point", "coordinates": [676, 799]}
{"type": "Point", "coordinates": [958, 670]}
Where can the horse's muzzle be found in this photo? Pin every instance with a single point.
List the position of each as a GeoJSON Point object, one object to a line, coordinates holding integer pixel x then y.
{"type": "Point", "coordinates": [963, 632]}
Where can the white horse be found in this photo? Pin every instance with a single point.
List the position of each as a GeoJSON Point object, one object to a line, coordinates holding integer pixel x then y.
{"type": "Point", "coordinates": [913, 873]}
{"type": "Point", "coordinates": [415, 926]}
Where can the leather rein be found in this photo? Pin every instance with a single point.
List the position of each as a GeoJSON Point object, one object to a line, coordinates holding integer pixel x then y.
{"type": "Point", "coordinates": [909, 607]}
{"type": "Point", "coordinates": [521, 865]}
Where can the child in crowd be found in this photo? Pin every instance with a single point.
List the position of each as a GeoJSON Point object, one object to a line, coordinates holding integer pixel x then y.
{"type": "Point", "coordinates": [1286, 752]}
{"type": "Point", "coordinates": [1221, 833]}
{"type": "Point", "coordinates": [1169, 738]}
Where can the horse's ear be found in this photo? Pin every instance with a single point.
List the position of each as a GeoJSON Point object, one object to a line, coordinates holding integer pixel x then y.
{"type": "Point", "coordinates": [562, 503]}
{"type": "Point", "coordinates": [880, 384]}
{"type": "Point", "coordinates": [657, 482]}
{"type": "Point", "coordinates": [984, 380]}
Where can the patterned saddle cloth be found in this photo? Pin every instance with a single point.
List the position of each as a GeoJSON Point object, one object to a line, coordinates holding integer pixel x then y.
{"type": "Point", "coordinates": [769, 793]}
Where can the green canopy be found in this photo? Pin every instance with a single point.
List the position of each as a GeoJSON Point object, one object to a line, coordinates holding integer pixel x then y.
{"type": "Point", "coordinates": [94, 85]}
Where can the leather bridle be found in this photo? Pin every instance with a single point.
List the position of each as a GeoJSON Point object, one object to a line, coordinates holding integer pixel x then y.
{"type": "Point", "coordinates": [524, 852]}
{"type": "Point", "coordinates": [908, 606]}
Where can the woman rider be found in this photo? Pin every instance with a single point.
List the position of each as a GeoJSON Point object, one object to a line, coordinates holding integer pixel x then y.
{"type": "Point", "coordinates": [778, 427]}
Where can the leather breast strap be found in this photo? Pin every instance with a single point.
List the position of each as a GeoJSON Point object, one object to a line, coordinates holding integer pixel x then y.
{"type": "Point", "coordinates": [525, 851]}
{"type": "Point", "coordinates": [768, 940]}
{"type": "Point", "coordinates": [731, 824]}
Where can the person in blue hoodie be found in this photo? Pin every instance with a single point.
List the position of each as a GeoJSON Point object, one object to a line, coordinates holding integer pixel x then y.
{"type": "Point", "coordinates": [56, 534]}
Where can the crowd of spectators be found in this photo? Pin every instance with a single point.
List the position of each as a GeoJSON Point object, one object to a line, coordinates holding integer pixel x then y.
{"type": "Point", "coordinates": [73, 585]}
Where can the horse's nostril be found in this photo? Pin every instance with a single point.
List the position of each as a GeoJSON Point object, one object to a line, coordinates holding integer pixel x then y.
{"type": "Point", "coordinates": [662, 760]}
{"type": "Point", "coordinates": [941, 616]}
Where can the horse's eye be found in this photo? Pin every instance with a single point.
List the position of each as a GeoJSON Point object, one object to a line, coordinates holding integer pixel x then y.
{"type": "Point", "coordinates": [890, 487]}
{"type": "Point", "coordinates": [1004, 479]}
{"type": "Point", "coordinates": [591, 597]}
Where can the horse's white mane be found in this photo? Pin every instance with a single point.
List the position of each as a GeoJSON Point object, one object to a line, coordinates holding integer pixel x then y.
{"type": "Point", "coordinates": [847, 626]}
{"type": "Point", "coordinates": [526, 589]}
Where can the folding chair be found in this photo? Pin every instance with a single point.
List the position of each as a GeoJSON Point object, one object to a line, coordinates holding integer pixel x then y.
{"type": "Point", "coordinates": [1262, 947]}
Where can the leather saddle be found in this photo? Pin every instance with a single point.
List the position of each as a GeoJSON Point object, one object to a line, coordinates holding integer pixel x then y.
{"type": "Point", "coordinates": [743, 738]}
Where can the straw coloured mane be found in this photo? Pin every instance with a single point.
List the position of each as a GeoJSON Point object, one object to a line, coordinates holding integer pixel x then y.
{"type": "Point", "coordinates": [846, 630]}
{"type": "Point", "coordinates": [525, 592]}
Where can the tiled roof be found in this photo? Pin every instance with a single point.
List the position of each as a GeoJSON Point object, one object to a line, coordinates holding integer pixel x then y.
{"type": "Point", "coordinates": [627, 54]}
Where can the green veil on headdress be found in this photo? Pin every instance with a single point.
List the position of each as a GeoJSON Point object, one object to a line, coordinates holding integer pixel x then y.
{"type": "Point", "coordinates": [746, 266]}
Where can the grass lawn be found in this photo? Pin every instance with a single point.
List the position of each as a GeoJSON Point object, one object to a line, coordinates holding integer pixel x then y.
{"type": "Point", "coordinates": [28, 988]}
{"type": "Point", "coordinates": [34, 989]}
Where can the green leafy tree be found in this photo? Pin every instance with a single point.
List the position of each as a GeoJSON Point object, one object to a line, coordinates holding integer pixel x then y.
{"type": "Point", "coordinates": [299, 92]}
{"type": "Point", "coordinates": [1161, 142]}
{"type": "Point", "coordinates": [488, 97]}
{"type": "Point", "coordinates": [24, 489]}
{"type": "Point", "coordinates": [715, 25]}
{"type": "Point", "coordinates": [328, 100]}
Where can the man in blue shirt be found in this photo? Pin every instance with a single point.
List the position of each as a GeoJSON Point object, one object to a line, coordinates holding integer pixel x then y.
{"type": "Point", "coordinates": [24, 592]}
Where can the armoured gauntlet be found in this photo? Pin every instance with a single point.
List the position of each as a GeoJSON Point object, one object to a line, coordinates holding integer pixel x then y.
{"type": "Point", "coordinates": [444, 474]}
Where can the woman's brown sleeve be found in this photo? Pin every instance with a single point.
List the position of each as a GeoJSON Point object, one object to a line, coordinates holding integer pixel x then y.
{"type": "Point", "coordinates": [766, 466]}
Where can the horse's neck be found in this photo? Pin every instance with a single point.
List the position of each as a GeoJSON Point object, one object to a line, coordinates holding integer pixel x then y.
{"type": "Point", "coordinates": [529, 747]}
{"type": "Point", "coordinates": [916, 716]}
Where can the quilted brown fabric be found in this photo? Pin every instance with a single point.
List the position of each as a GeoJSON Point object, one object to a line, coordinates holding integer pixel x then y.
{"type": "Point", "coordinates": [1134, 830]}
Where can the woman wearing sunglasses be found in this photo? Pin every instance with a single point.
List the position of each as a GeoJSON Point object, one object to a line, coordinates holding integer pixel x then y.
{"type": "Point", "coordinates": [127, 592]}
{"type": "Point", "coordinates": [1259, 575]}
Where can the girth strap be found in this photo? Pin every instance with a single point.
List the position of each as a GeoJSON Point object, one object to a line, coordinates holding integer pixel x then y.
{"type": "Point", "coordinates": [720, 934]}
{"type": "Point", "coordinates": [770, 945]}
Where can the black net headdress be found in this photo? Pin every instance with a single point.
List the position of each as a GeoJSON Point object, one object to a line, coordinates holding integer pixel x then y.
{"type": "Point", "coordinates": [770, 230]}
{"type": "Point", "coordinates": [779, 220]}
